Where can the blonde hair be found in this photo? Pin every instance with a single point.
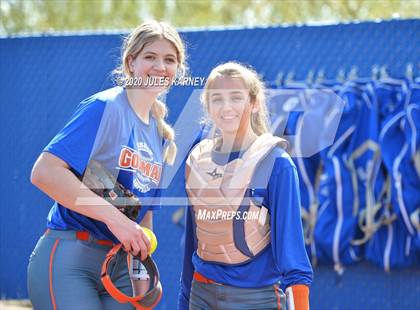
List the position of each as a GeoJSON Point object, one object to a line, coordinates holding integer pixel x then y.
{"type": "Point", "coordinates": [134, 43]}
{"type": "Point", "coordinates": [259, 119]}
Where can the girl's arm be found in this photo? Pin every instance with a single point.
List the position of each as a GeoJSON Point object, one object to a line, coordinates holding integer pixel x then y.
{"type": "Point", "coordinates": [52, 175]}
{"type": "Point", "coordinates": [287, 234]}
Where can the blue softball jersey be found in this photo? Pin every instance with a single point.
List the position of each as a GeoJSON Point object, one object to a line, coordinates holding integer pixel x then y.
{"type": "Point", "coordinates": [105, 128]}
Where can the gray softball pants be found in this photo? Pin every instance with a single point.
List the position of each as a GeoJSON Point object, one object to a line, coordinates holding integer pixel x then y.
{"type": "Point", "coordinates": [64, 273]}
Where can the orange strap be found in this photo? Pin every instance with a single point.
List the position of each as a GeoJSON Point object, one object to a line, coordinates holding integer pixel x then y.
{"type": "Point", "coordinates": [104, 242]}
{"type": "Point", "coordinates": [84, 236]}
{"type": "Point", "coordinates": [202, 279]}
{"type": "Point", "coordinates": [151, 298]}
{"type": "Point", "coordinates": [298, 297]}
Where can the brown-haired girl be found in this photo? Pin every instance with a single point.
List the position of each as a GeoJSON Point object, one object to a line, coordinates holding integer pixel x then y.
{"type": "Point", "coordinates": [244, 239]}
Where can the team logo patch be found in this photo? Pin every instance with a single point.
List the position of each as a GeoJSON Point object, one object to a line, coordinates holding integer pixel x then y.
{"type": "Point", "coordinates": [141, 162]}
{"type": "Point", "coordinates": [214, 174]}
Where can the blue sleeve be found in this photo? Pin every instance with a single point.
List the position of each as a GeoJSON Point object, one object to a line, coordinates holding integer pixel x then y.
{"type": "Point", "coordinates": [75, 141]}
{"type": "Point", "coordinates": [188, 267]}
{"type": "Point", "coordinates": [286, 227]}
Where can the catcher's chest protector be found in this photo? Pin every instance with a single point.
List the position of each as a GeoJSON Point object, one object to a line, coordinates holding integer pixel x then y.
{"type": "Point", "coordinates": [217, 193]}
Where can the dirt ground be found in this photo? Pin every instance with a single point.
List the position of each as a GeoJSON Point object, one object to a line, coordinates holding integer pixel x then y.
{"type": "Point", "coordinates": [15, 304]}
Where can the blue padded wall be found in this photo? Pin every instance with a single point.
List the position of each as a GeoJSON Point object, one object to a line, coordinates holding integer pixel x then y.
{"type": "Point", "coordinates": [43, 78]}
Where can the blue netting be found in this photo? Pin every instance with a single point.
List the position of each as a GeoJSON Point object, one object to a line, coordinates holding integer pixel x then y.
{"type": "Point", "coordinates": [43, 78]}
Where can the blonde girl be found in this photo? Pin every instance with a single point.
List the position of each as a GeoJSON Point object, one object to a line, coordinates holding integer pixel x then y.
{"type": "Point", "coordinates": [124, 129]}
{"type": "Point", "coordinates": [244, 239]}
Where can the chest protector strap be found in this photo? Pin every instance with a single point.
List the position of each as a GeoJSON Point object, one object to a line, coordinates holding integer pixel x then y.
{"type": "Point", "coordinates": [230, 228]}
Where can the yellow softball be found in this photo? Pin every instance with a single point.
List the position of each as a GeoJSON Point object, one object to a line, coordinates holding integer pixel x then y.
{"type": "Point", "coordinates": [152, 239]}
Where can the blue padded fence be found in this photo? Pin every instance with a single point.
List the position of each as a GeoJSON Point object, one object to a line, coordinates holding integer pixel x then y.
{"type": "Point", "coordinates": [43, 78]}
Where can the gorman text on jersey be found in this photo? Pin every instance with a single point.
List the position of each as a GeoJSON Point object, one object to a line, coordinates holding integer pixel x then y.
{"type": "Point", "coordinates": [130, 159]}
